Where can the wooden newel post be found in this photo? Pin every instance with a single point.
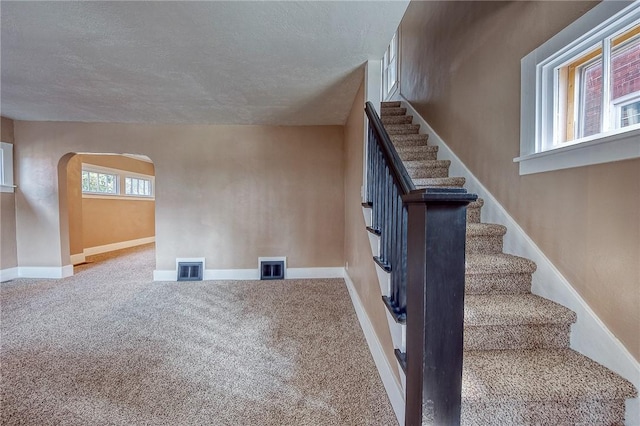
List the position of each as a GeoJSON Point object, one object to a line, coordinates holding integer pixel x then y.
{"type": "Point", "coordinates": [435, 304]}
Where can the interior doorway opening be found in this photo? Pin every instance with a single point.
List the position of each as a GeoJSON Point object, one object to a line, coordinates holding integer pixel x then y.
{"type": "Point", "coordinates": [107, 203]}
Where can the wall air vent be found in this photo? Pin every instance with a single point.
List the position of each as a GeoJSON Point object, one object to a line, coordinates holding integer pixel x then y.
{"type": "Point", "coordinates": [190, 271]}
{"type": "Point", "coordinates": [272, 270]}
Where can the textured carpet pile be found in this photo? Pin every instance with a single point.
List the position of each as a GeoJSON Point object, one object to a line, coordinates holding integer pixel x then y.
{"type": "Point", "coordinates": [109, 346]}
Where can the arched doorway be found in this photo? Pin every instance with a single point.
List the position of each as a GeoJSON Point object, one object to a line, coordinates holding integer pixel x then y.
{"type": "Point", "coordinates": [107, 203]}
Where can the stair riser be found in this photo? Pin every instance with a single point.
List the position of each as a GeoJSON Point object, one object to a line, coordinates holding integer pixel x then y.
{"type": "Point", "coordinates": [401, 138]}
{"type": "Point", "coordinates": [386, 112]}
{"type": "Point", "coordinates": [403, 129]}
{"type": "Point", "coordinates": [446, 184]}
{"type": "Point", "coordinates": [544, 336]}
{"type": "Point", "coordinates": [517, 412]}
{"type": "Point", "coordinates": [409, 143]}
{"type": "Point", "coordinates": [397, 119]}
{"type": "Point", "coordinates": [485, 244]}
{"type": "Point", "coordinates": [410, 156]}
{"type": "Point", "coordinates": [497, 283]}
{"type": "Point", "coordinates": [423, 172]}
{"type": "Point", "coordinates": [390, 104]}
{"type": "Point", "coordinates": [473, 214]}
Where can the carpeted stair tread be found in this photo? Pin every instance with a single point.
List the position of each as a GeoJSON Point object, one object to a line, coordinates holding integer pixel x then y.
{"type": "Point", "coordinates": [540, 387]}
{"type": "Point", "coordinates": [402, 129]}
{"type": "Point", "coordinates": [418, 141]}
{"type": "Point", "coordinates": [428, 164]}
{"type": "Point", "coordinates": [448, 182]}
{"type": "Point", "coordinates": [390, 104]}
{"type": "Point", "coordinates": [418, 169]}
{"type": "Point", "coordinates": [418, 149]}
{"type": "Point", "coordinates": [484, 238]}
{"type": "Point", "coordinates": [387, 111]}
{"type": "Point", "coordinates": [514, 310]}
{"type": "Point", "coordinates": [554, 375]}
{"type": "Point", "coordinates": [497, 283]}
{"type": "Point", "coordinates": [410, 139]}
{"type": "Point", "coordinates": [476, 204]}
{"type": "Point", "coordinates": [477, 229]}
{"type": "Point", "coordinates": [473, 211]}
{"type": "Point", "coordinates": [418, 152]}
{"type": "Point", "coordinates": [397, 119]}
{"type": "Point", "coordinates": [498, 263]}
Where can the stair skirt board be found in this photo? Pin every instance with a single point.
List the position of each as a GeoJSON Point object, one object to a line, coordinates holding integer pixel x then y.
{"type": "Point", "coordinates": [395, 389]}
{"type": "Point", "coordinates": [589, 335]}
{"type": "Point", "coordinates": [253, 274]}
{"type": "Point", "coordinates": [44, 272]}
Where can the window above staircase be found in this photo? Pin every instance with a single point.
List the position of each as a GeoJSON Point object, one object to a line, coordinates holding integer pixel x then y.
{"type": "Point", "coordinates": [580, 98]}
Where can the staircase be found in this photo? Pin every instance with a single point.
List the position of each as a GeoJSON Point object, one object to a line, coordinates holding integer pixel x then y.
{"type": "Point", "coordinates": [518, 368]}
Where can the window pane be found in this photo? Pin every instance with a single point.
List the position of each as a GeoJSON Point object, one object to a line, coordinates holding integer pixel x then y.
{"type": "Point", "coordinates": [591, 98]}
{"type": "Point", "coordinates": [625, 69]}
{"type": "Point", "coordinates": [111, 187]}
{"type": "Point", "coordinates": [85, 181]}
{"type": "Point", "coordinates": [392, 48]}
{"type": "Point", "coordinates": [127, 185]}
{"type": "Point", "coordinates": [99, 182]}
{"type": "Point", "coordinates": [625, 81]}
{"type": "Point", "coordinates": [93, 182]}
{"type": "Point", "coordinates": [630, 114]}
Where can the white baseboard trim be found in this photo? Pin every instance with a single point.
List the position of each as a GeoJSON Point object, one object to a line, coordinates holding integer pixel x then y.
{"type": "Point", "coordinates": [306, 273]}
{"type": "Point", "coordinates": [392, 386]}
{"type": "Point", "coordinates": [77, 259]}
{"type": "Point", "coordinates": [53, 272]}
{"type": "Point", "coordinates": [253, 274]}
{"type": "Point", "coordinates": [589, 335]}
{"type": "Point", "coordinates": [165, 275]}
{"type": "Point", "coordinates": [231, 274]}
{"type": "Point", "coordinates": [9, 274]}
{"type": "Point", "coordinates": [118, 246]}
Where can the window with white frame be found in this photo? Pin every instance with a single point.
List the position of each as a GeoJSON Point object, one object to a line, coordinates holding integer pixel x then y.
{"type": "Point", "coordinates": [99, 182]}
{"type": "Point", "coordinates": [581, 92]}
{"type": "Point", "coordinates": [390, 68]}
{"type": "Point", "coordinates": [6, 167]}
{"type": "Point", "coordinates": [137, 186]}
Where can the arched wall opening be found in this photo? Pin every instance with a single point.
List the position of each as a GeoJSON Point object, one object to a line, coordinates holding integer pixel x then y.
{"type": "Point", "coordinates": [92, 222]}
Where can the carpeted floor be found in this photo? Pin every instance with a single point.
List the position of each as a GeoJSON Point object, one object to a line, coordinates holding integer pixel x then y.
{"type": "Point", "coordinates": [110, 347]}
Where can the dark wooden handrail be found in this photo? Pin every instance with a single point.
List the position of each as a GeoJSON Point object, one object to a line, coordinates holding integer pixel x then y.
{"type": "Point", "coordinates": [422, 246]}
{"type": "Point", "coordinates": [398, 171]}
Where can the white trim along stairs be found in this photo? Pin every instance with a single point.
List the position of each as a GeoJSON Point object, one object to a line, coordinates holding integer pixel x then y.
{"type": "Point", "coordinates": [522, 364]}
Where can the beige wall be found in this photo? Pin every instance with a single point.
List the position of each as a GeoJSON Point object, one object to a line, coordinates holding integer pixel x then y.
{"type": "Point", "coordinates": [8, 251]}
{"type": "Point", "coordinates": [357, 250]}
{"type": "Point", "coordinates": [229, 193]}
{"type": "Point", "coordinates": [460, 68]}
{"type": "Point", "coordinates": [114, 221]}
{"type": "Point", "coordinates": [96, 222]}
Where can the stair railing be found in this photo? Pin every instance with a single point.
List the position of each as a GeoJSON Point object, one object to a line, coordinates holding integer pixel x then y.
{"type": "Point", "coordinates": [422, 245]}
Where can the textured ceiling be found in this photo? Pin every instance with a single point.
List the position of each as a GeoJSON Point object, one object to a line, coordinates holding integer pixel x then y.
{"type": "Point", "coordinates": [282, 63]}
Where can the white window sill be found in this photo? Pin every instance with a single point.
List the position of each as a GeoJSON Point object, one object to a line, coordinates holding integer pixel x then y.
{"type": "Point", "coordinates": [616, 147]}
{"type": "Point", "coordinates": [118, 197]}
{"type": "Point", "coordinates": [7, 188]}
